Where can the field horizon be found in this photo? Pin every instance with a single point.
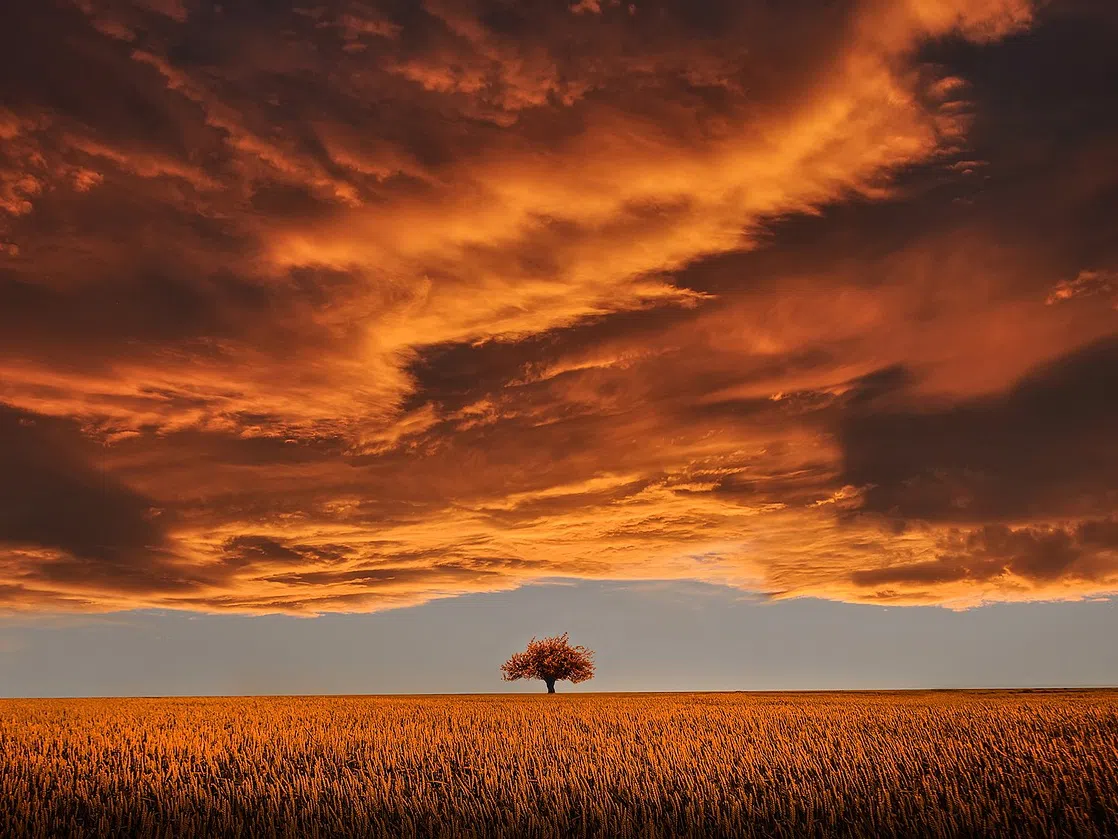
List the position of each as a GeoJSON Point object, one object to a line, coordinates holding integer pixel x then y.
{"type": "Point", "coordinates": [581, 692]}
{"type": "Point", "coordinates": [797, 763]}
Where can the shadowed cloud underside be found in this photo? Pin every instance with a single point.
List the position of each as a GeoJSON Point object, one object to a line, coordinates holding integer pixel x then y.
{"type": "Point", "coordinates": [356, 305]}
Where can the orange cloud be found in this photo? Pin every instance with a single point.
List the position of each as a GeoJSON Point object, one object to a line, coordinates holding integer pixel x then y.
{"type": "Point", "coordinates": [350, 308]}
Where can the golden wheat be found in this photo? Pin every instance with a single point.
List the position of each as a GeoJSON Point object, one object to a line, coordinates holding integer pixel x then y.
{"type": "Point", "coordinates": [864, 764]}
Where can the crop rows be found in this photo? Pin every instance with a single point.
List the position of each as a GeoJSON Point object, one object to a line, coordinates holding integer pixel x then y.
{"type": "Point", "coordinates": [778, 765]}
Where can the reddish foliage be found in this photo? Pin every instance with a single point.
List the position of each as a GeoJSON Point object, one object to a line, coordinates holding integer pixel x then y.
{"type": "Point", "coordinates": [550, 659]}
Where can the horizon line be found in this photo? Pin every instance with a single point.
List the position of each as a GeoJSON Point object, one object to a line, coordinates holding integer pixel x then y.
{"type": "Point", "coordinates": [769, 691]}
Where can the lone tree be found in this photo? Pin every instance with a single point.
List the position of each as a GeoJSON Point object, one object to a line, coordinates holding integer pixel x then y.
{"type": "Point", "coordinates": [550, 659]}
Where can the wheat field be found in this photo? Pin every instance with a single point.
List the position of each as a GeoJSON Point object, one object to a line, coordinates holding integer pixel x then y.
{"type": "Point", "coordinates": [776, 765]}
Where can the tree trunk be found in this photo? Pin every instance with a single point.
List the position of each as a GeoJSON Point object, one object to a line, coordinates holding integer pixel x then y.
{"type": "Point", "coordinates": [550, 685]}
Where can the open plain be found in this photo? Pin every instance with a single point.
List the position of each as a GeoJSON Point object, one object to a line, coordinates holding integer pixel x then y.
{"type": "Point", "coordinates": [942, 763]}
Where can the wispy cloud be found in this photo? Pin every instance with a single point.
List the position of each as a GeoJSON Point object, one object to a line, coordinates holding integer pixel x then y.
{"type": "Point", "coordinates": [355, 306]}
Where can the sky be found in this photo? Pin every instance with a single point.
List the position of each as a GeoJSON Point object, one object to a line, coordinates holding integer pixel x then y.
{"type": "Point", "coordinates": [327, 320]}
{"type": "Point", "coordinates": [647, 636]}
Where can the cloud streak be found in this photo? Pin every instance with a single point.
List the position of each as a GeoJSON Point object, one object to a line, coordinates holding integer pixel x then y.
{"type": "Point", "coordinates": [355, 306]}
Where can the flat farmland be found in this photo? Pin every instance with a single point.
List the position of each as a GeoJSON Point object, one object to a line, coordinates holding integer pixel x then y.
{"type": "Point", "coordinates": [966, 763]}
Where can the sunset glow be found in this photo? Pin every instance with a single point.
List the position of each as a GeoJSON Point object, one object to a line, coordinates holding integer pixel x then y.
{"type": "Point", "coordinates": [353, 306]}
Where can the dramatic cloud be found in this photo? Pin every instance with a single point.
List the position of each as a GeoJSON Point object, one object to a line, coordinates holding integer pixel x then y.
{"type": "Point", "coordinates": [351, 305]}
{"type": "Point", "coordinates": [1045, 447]}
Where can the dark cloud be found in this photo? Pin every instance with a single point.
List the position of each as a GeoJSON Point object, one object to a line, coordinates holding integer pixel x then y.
{"type": "Point", "coordinates": [1045, 448]}
{"type": "Point", "coordinates": [55, 65]}
{"type": "Point", "coordinates": [872, 387]}
{"type": "Point", "coordinates": [1086, 552]}
{"type": "Point", "coordinates": [376, 302]}
{"type": "Point", "coordinates": [55, 496]}
{"type": "Point", "coordinates": [264, 549]}
{"type": "Point", "coordinates": [1042, 135]}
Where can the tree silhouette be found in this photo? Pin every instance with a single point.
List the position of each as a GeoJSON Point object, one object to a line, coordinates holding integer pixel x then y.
{"type": "Point", "coordinates": [550, 659]}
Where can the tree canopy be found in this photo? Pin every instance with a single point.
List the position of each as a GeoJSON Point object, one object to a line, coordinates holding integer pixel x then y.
{"type": "Point", "coordinates": [550, 659]}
